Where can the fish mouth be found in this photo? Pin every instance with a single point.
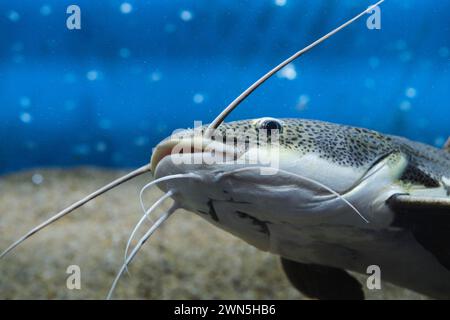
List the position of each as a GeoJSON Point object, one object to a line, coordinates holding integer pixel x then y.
{"type": "Point", "coordinates": [186, 147]}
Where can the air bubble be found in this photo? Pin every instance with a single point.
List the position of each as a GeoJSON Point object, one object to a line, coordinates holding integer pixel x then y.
{"type": "Point", "coordinates": [126, 8]}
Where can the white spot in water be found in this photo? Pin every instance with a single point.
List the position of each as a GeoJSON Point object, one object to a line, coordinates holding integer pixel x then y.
{"type": "Point", "coordinates": [25, 117]}
{"type": "Point", "coordinates": [198, 98]}
{"type": "Point", "coordinates": [24, 102]}
{"type": "Point", "coordinates": [186, 15]}
{"type": "Point", "coordinates": [37, 178]}
{"type": "Point", "coordinates": [92, 75]}
{"type": "Point", "coordinates": [405, 105]}
{"type": "Point", "coordinates": [155, 76]}
{"type": "Point", "coordinates": [288, 72]}
{"type": "Point", "coordinates": [101, 146]}
{"type": "Point", "coordinates": [141, 141]}
{"type": "Point", "coordinates": [411, 92]}
{"type": "Point", "coordinates": [124, 53]}
{"type": "Point", "coordinates": [439, 141]}
{"type": "Point", "coordinates": [444, 52]}
{"type": "Point", "coordinates": [280, 3]}
{"type": "Point", "coordinates": [303, 102]}
{"type": "Point", "coordinates": [46, 10]}
{"type": "Point", "coordinates": [14, 16]}
{"type": "Point", "coordinates": [126, 8]}
{"type": "Point", "coordinates": [405, 56]}
{"type": "Point", "coordinates": [82, 149]}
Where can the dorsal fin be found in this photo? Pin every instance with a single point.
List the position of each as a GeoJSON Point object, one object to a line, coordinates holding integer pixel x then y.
{"type": "Point", "coordinates": [447, 145]}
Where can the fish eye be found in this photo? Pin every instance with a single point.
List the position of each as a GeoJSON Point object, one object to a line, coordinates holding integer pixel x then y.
{"type": "Point", "coordinates": [271, 124]}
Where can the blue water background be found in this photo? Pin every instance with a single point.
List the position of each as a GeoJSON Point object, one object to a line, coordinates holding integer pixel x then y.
{"type": "Point", "coordinates": [137, 70]}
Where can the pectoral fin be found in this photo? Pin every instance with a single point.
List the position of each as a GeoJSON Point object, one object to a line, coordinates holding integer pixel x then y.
{"type": "Point", "coordinates": [322, 282]}
{"type": "Point", "coordinates": [428, 218]}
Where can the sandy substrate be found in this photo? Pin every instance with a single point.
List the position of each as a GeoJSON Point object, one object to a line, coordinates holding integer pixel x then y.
{"type": "Point", "coordinates": [186, 259]}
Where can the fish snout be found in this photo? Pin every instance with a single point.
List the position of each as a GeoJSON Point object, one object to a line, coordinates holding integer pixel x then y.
{"type": "Point", "coordinates": [187, 150]}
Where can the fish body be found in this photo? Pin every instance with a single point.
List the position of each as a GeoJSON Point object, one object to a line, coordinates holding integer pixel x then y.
{"type": "Point", "coordinates": [324, 197]}
{"type": "Point", "coordinates": [291, 214]}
